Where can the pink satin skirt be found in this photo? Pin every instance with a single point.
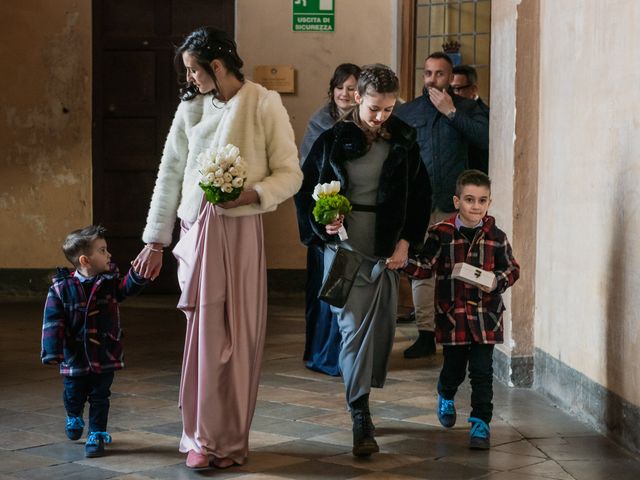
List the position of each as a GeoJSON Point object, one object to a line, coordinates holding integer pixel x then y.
{"type": "Point", "coordinates": [222, 274]}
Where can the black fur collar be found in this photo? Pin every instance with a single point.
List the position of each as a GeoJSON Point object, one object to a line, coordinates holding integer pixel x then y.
{"type": "Point", "coordinates": [352, 141]}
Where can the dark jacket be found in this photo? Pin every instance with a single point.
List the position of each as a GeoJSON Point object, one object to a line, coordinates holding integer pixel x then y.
{"type": "Point", "coordinates": [83, 334]}
{"type": "Point", "coordinates": [404, 195]}
{"type": "Point", "coordinates": [479, 157]}
{"type": "Point", "coordinates": [464, 313]}
{"type": "Point", "coordinates": [444, 143]}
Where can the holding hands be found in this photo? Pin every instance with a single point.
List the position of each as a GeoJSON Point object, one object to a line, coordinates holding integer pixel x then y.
{"type": "Point", "coordinates": [149, 261]}
{"type": "Point", "coordinates": [400, 255]}
{"type": "Point", "coordinates": [397, 260]}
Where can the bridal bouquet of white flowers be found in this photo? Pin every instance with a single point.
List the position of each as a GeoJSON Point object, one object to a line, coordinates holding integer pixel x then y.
{"type": "Point", "coordinates": [223, 173]}
{"type": "Point", "coordinates": [330, 204]}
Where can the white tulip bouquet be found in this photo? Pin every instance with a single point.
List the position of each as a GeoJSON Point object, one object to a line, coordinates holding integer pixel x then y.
{"type": "Point", "coordinates": [223, 173]}
{"type": "Point", "coordinates": [330, 204]}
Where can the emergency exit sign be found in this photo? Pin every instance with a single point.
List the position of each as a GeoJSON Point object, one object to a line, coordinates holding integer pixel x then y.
{"type": "Point", "coordinates": [313, 15]}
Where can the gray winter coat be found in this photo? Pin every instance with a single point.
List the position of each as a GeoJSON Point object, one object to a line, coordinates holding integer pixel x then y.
{"type": "Point", "coordinates": [319, 122]}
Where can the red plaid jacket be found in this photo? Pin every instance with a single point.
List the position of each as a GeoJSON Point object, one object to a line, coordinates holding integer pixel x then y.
{"type": "Point", "coordinates": [464, 313]}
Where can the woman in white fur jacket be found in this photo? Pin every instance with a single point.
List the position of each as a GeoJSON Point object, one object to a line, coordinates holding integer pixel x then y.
{"type": "Point", "coordinates": [221, 259]}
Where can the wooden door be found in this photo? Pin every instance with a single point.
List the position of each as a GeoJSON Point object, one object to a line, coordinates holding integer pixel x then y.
{"type": "Point", "coordinates": [135, 95]}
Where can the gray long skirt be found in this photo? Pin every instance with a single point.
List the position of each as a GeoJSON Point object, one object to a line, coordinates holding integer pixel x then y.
{"type": "Point", "coordinates": [367, 326]}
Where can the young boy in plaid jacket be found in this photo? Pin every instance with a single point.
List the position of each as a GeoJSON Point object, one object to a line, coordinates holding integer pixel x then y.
{"type": "Point", "coordinates": [468, 318]}
{"type": "Point", "coordinates": [81, 331]}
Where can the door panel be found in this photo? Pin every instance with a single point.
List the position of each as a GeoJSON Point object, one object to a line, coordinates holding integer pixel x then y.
{"type": "Point", "coordinates": [130, 143]}
{"type": "Point", "coordinates": [216, 13]}
{"type": "Point", "coordinates": [126, 202]}
{"type": "Point", "coordinates": [121, 18]}
{"type": "Point", "coordinates": [129, 84]}
{"type": "Point", "coordinates": [135, 94]}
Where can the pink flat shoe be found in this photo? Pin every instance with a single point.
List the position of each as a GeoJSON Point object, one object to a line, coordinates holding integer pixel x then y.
{"type": "Point", "coordinates": [197, 461]}
{"type": "Point", "coordinates": [223, 462]}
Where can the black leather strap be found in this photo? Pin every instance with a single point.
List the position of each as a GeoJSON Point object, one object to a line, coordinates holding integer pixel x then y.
{"type": "Point", "coordinates": [364, 208]}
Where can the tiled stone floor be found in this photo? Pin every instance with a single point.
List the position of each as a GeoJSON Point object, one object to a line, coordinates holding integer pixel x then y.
{"type": "Point", "coordinates": [301, 429]}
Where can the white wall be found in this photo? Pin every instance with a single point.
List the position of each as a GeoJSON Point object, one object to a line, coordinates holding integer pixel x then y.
{"type": "Point", "coordinates": [588, 254]}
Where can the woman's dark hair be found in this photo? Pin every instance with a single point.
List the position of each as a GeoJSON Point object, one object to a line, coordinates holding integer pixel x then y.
{"type": "Point", "coordinates": [341, 75]}
{"type": "Point", "coordinates": [205, 45]}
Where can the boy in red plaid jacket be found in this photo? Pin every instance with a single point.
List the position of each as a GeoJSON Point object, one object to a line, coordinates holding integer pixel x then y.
{"type": "Point", "coordinates": [468, 318]}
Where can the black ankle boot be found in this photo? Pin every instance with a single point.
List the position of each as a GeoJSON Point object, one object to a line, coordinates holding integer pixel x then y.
{"type": "Point", "coordinates": [364, 443]}
{"type": "Point", "coordinates": [424, 346]}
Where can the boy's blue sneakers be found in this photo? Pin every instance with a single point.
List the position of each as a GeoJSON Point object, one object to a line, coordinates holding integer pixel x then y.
{"type": "Point", "coordinates": [74, 427]}
{"type": "Point", "coordinates": [479, 435]}
{"type": "Point", "coordinates": [446, 412]}
{"type": "Point", "coordinates": [95, 444]}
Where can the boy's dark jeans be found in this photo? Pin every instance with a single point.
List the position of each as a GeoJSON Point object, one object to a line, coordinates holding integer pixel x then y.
{"type": "Point", "coordinates": [479, 357]}
{"type": "Point", "coordinates": [94, 387]}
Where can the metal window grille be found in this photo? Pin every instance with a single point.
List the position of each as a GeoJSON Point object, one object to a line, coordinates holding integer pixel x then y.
{"type": "Point", "coordinates": [465, 21]}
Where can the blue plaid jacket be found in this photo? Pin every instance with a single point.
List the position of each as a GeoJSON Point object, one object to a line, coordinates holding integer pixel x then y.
{"type": "Point", "coordinates": [83, 334]}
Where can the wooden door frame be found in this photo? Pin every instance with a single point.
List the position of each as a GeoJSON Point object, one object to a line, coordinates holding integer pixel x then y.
{"type": "Point", "coordinates": [407, 49]}
{"type": "Point", "coordinates": [97, 162]}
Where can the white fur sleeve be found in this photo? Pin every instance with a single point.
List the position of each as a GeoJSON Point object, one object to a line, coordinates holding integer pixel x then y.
{"type": "Point", "coordinates": [166, 193]}
{"type": "Point", "coordinates": [285, 176]}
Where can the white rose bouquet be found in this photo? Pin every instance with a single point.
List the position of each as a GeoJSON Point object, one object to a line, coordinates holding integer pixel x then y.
{"type": "Point", "coordinates": [223, 173]}
{"type": "Point", "coordinates": [330, 204]}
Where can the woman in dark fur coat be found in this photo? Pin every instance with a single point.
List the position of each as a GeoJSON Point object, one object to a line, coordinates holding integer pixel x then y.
{"type": "Point", "coordinates": [375, 157]}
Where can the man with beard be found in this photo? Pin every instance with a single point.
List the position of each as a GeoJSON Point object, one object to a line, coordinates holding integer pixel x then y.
{"type": "Point", "coordinates": [446, 124]}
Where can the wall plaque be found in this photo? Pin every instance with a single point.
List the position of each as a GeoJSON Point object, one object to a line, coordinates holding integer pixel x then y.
{"type": "Point", "coordinates": [280, 78]}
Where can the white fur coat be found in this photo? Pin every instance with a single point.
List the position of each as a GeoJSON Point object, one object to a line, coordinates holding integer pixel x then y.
{"type": "Point", "coordinates": [257, 123]}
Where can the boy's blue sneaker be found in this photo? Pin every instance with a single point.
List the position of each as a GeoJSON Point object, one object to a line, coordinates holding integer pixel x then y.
{"type": "Point", "coordinates": [446, 412]}
{"type": "Point", "coordinates": [479, 435]}
{"type": "Point", "coordinates": [74, 427]}
{"type": "Point", "coordinates": [95, 444]}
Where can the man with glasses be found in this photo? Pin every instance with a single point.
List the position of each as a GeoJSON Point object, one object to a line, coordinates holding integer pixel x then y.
{"type": "Point", "coordinates": [465, 84]}
{"type": "Point", "coordinates": [446, 125]}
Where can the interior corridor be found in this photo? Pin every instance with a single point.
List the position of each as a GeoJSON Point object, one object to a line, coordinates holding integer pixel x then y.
{"type": "Point", "coordinates": [301, 429]}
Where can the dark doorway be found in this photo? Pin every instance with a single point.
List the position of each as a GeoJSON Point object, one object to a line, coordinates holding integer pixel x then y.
{"type": "Point", "coordinates": [134, 99]}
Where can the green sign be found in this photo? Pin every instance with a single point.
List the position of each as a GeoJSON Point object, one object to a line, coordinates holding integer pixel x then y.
{"type": "Point", "coordinates": [313, 15]}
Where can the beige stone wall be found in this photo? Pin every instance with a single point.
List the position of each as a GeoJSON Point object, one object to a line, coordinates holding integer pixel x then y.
{"type": "Point", "coordinates": [525, 168]}
{"type": "Point", "coordinates": [365, 33]}
{"type": "Point", "coordinates": [45, 105]}
{"type": "Point", "coordinates": [45, 128]}
{"type": "Point", "coordinates": [589, 201]}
